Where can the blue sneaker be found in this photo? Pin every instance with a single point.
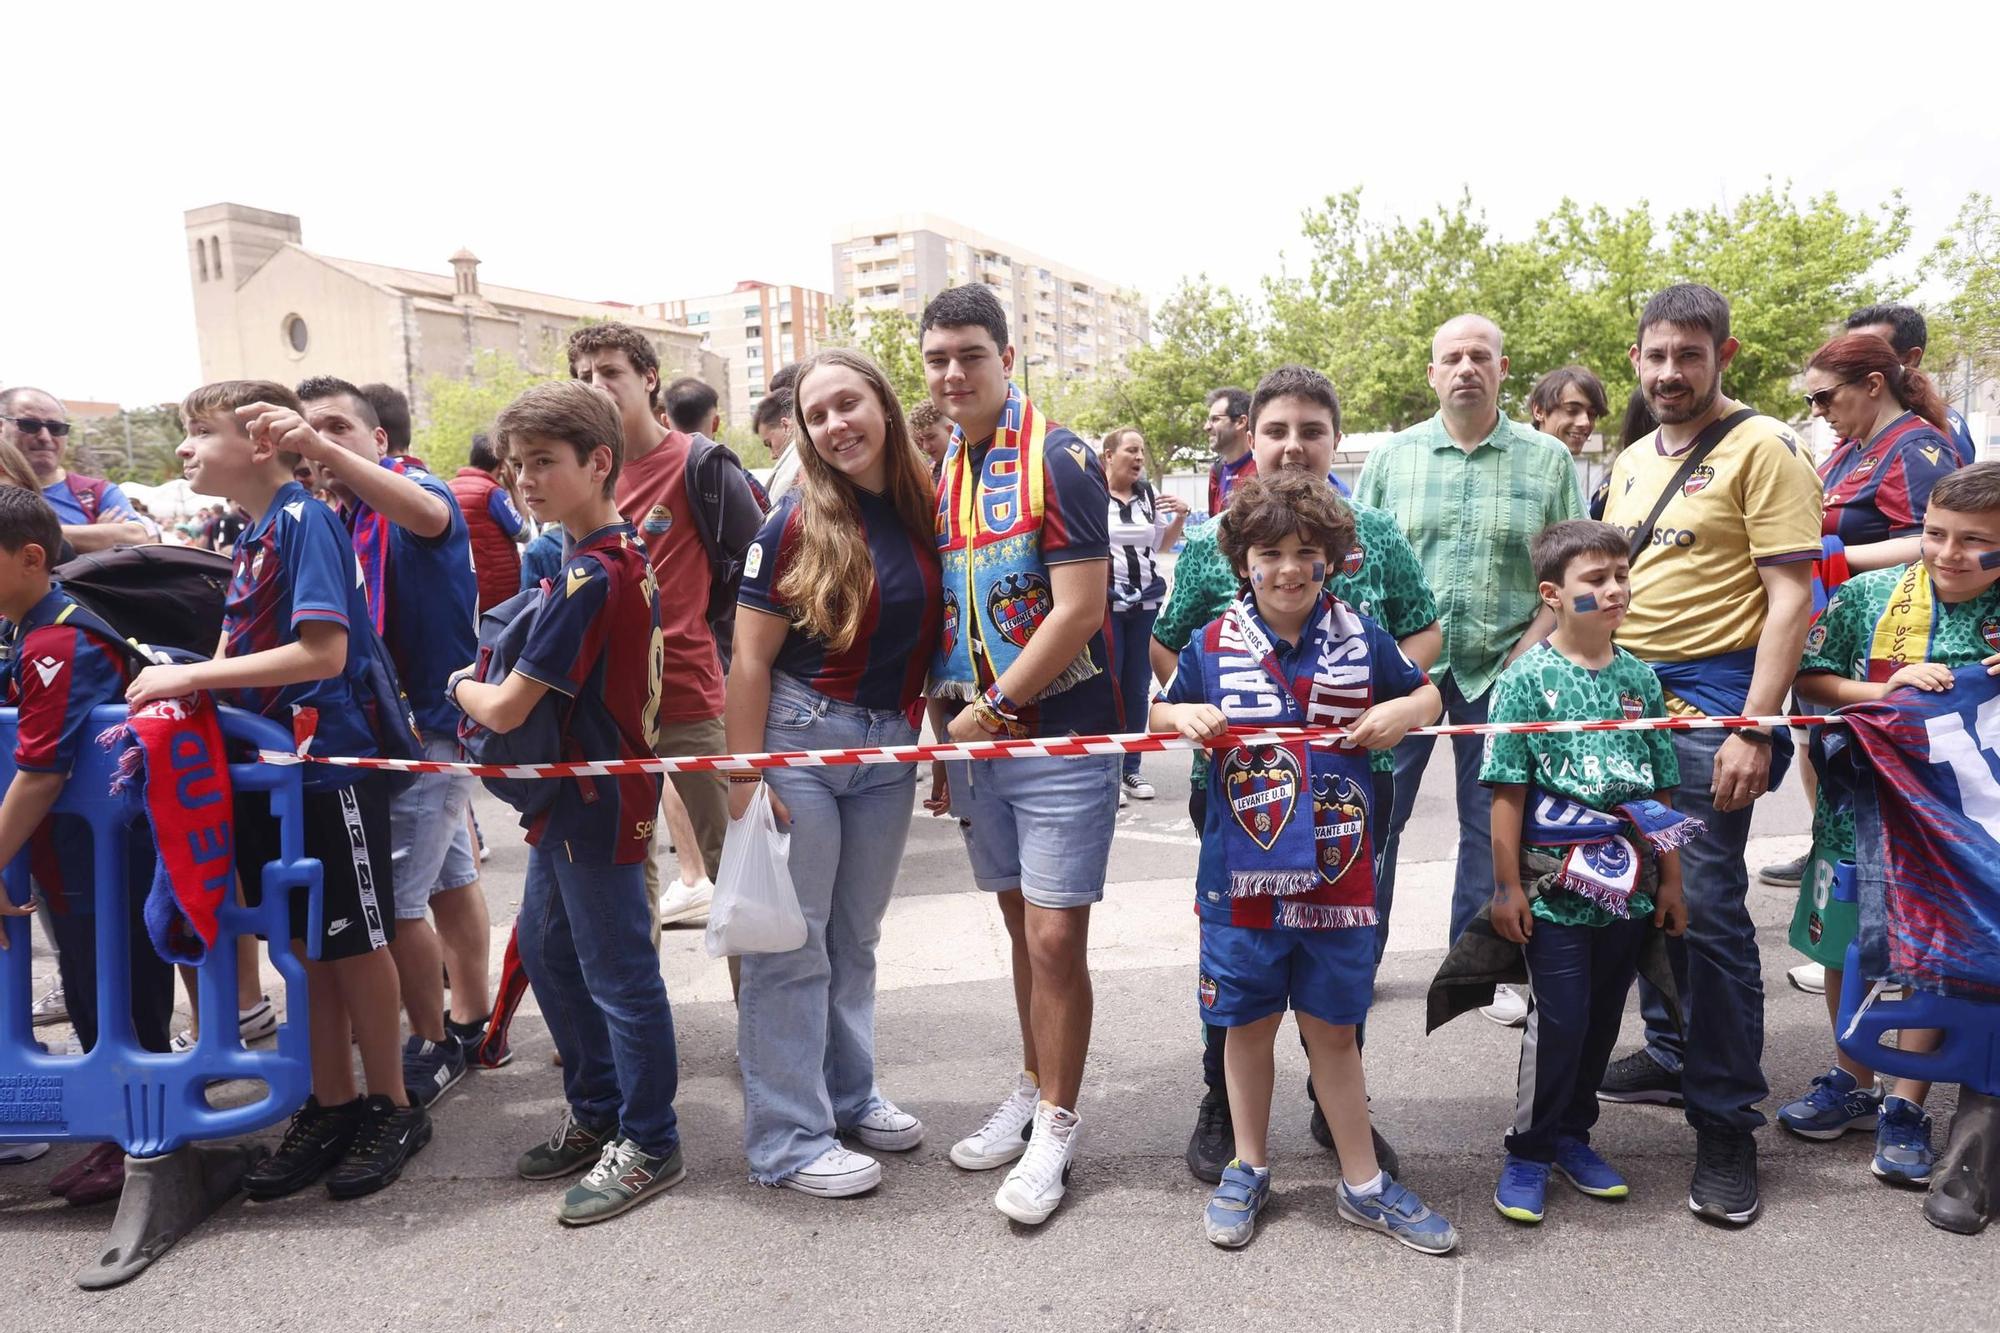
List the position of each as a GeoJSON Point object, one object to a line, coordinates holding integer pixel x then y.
{"type": "Point", "coordinates": [1836, 1104]}
{"type": "Point", "coordinates": [1903, 1153]}
{"type": "Point", "coordinates": [1231, 1218]}
{"type": "Point", "coordinates": [1578, 1163]}
{"type": "Point", "coordinates": [1523, 1185]}
{"type": "Point", "coordinates": [1399, 1214]}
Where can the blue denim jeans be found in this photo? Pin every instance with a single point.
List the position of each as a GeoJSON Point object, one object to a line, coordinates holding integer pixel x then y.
{"type": "Point", "coordinates": [1716, 964]}
{"type": "Point", "coordinates": [1474, 885]}
{"type": "Point", "coordinates": [805, 1020]}
{"type": "Point", "coordinates": [1132, 668]}
{"type": "Point", "coordinates": [586, 940]}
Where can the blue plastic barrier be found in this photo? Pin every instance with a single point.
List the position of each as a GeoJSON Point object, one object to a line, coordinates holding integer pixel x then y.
{"type": "Point", "coordinates": [118, 1093]}
{"type": "Point", "coordinates": [1969, 1053]}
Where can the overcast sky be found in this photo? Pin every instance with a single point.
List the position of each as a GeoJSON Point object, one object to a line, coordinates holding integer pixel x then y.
{"type": "Point", "coordinates": [653, 151]}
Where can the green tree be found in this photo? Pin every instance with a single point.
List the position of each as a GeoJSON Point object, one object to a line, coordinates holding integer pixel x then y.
{"type": "Point", "coordinates": [1204, 337]}
{"type": "Point", "coordinates": [136, 445]}
{"type": "Point", "coordinates": [1967, 262]}
{"type": "Point", "coordinates": [455, 409]}
{"type": "Point", "coordinates": [892, 343]}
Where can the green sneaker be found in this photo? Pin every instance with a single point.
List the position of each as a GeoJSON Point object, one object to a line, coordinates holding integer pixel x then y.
{"type": "Point", "coordinates": [572, 1147]}
{"type": "Point", "coordinates": [623, 1178]}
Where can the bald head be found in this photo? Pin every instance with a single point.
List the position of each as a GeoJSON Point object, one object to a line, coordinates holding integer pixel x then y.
{"type": "Point", "coordinates": [1460, 327]}
{"type": "Point", "coordinates": [1465, 372]}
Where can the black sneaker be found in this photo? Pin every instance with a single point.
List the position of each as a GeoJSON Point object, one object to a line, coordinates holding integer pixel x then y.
{"type": "Point", "coordinates": [431, 1067]}
{"type": "Point", "coordinates": [1640, 1078]}
{"type": "Point", "coordinates": [471, 1037]}
{"type": "Point", "coordinates": [1385, 1152]}
{"type": "Point", "coordinates": [390, 1135]}
{"type": "Point", "coordinates": [1724, 1188]}
{"type": "Point", "coordinates": [314, 1141]}
{"type": "Point", "coordinates": [1213, 1144]}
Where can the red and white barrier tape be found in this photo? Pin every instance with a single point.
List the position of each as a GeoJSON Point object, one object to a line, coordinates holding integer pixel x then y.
{"type": "Point", "coordinates": [1035, 747]}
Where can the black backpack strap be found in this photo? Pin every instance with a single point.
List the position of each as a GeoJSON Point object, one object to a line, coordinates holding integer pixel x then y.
{"type": "Point", "coordinates": [1704, 445]}
{"type": "Point", "coordinates": [78, 616]}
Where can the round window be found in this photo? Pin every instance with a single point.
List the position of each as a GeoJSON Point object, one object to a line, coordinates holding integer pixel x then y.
{"type": "Point", "coordinates": [295, 334]}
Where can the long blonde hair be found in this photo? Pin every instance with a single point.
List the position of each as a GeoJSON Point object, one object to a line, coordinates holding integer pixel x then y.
{"type": "Point", "coordinates": [14, 469]}
{"type": "Point", "coordinates": [829, 573]}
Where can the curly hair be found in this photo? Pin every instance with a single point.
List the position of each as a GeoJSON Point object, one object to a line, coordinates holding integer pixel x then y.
{"type": "Point", "coordinates": [923, 416]}
{"type": "Point", "coordinates": [1264, 510]}
{"type": "Point", "coordinates": [614, 337]}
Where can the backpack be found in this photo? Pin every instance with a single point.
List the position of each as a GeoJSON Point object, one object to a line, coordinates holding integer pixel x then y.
{"type": "Point", "coordinates": [708, 475]}
{"type": "Point", "coordinates": [166, 596]}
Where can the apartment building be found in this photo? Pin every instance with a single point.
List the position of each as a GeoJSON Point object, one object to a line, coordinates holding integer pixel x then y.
{"type": "Point", "coordinates": [756, 327]}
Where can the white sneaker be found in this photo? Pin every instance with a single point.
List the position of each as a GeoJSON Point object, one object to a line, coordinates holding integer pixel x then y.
{"type": "Point", "coordinates": [260, 1020]}
{"type": "Point", "coordinates": [1004, 1136]}
{"type": "Point", "coordinates": [1808, 977]}
{"type": "Point", "coordinates": [1040, 1179]}
{"type": "Point", "coordinates": [51, 1008]}
{"type": "Point", "coordinates": [836, 1174]}
{"type": "Point", "coordinates": [1137, 787]}
{"type": "Point", "coordinates": [12, 1154]}
{"type": "Point", "coordinates": [1509, 1008]}
{"type": "Point", "coordinates": [889, 1128]}
{"type": "Point", "coordinates": [683, 901]}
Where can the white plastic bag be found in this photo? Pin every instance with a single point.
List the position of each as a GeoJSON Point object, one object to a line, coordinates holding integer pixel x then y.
{"type": "Point", "coordinates": [755, 908]}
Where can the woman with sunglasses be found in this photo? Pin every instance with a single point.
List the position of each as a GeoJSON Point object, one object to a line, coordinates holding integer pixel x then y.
{"type": "Point", "coordinates": [1893, 447]}
{"type": "Point", "coordinates": [838, 619]}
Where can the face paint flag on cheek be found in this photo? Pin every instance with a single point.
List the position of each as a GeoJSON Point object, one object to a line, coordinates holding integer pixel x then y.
{"type": "Point", "coordinates": [1990, 559]}
{"type": "Point", "coordinates": [1586, 603]}
{"type": "Point", "coordinates": [1319, 572]}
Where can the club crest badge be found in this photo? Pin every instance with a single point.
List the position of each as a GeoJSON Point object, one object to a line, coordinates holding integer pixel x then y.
{"type": "Point", "coordinates": [1352, 564]}
{"type": "Point", "coordinates": [1989, 630]}
{"type": "Point", "coordinates": [1861, 469]}
{"type": "Point", "coordinates": [1205, 988]}
{"type": "Point", "coordinates": [1262, 787]}
{"type": "Point", "coordinates": [257, 565]}
{"type": "Point", "coordinates": [1340, 824]}
{"type": "Point", "coordinates": [1018, 604]}
{"type": "Point", "coordinates": [1698, 480]}
{"type": "Point", "coordinates": [948, 631]}
{"type": "Point", "coordinates": [1631, 705]}
{"type": "Point", "coordinates": [1613, 858]}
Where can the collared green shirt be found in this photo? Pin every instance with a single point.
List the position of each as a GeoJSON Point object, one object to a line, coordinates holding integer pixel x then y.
{"type": "Point", "coordinates": [1470, 517]}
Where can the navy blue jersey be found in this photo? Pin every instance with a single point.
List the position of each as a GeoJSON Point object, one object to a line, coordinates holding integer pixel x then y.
{"type": "Point", "coordinates": [884, 668]}
{"type": "Point", "coordinates": [429, 619]}
{"type": "Point", "coordinates": [599, 642]}
{"type": "Point", "coordinates": [295, 564]}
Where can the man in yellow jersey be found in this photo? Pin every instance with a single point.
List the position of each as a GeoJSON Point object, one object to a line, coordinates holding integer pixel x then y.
{"type": "Point", "coordinates": [1724, 508]}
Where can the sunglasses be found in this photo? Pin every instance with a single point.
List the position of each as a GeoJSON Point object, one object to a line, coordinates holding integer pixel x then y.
{"type": "Point", "coordinates": [1824, 396]}
{"type": "Point", "coordinates": [30, 425]}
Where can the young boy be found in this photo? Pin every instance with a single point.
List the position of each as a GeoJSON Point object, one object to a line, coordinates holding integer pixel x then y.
{"type": "Point", "coordinates": [1285, 885]}
{"type": "Point", "coordinates": [416, 566]}
{"type": "Point", "coordinates": [297, 647]}
{"type": "Point", "coordinates": [55, 672]}
{"type": "Point", "coordinates": [1888, 628]}
{"type": "Point", "coordinates": [585, 929]}
{"type": "Point", "coordinates": [1579, 893]}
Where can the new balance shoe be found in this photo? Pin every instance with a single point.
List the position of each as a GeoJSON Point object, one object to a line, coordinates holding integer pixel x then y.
{"type": "Point", "coordinates": [1784, 874]}
{"type": "Point", "coordinates": [836, 1174]}
{"type": "Point", "coordinates": [1136, 787]}
{"type": "Point", "coordinates": [682, 901]}
{"type": "Point", "coordinates": [1836, 1104]}
{"type": "Point", "coordinates": [315, 1140]}
{"type": "Point", "coordinates": [1398, 1213]}
{"type": "Point", "coordinates": [13, 1154]}
{"type": "Point", "coordinates": [389, 1136]}
{"type": "Point", "coordinates": [888, 1128]}
{"type": "Point", "coordinates": [1509, 1008]}
{"type": "Point", "coordinates": [1004, 1136]}
{"type": "Point", "coordinates": [1578, 1163]}
{"type": "Point", "coordinates": [53, 1007]}
{"type": "Point", "coordinates": [1231, 1216]}
{"type": "Point", "coordinates": [625, 1177]}
{"type": "Point", "coordinates": [1640, 1078]}
{"type": "Point", "coordinates": [571, 1147]}
{"type": "Point", "coordinates": [1903, 1153]}
{"type": "Point", "coordinates": [1724, 1188]}
{"type": "Point", "coordinates": [1523, 1187]}
{"type": "Point", "coordinates": [1036, 1185]}
{"type": "Point", "coordinates": [430, 1068]}
{"type": "Point", "coordinates": [1212, 1146]}
{"type": "Point", "coordinates": [1808, 977]}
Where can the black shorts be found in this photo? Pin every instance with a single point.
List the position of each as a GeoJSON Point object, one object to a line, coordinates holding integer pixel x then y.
{"type": "Point", "coordinates": [347, 831]}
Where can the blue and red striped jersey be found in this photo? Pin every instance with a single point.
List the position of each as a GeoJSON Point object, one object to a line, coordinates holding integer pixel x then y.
{"type": "Point", "coordinates": [885, 666]}
{"type": "Point", "coordinates": [599, 642]}
{"type": "Point", "coordinates": [1879, 490]}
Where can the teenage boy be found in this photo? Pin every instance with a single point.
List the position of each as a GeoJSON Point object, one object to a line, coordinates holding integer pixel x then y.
{"type": "Point", "coordinates": [585, 929]}
{"type": "Point", "coordinates": [416, 566]}
{"type": "Point", "coordinates": [297, 646]}
{"type": "Point", "coordinates": [1294, 425]}
{"type": "Point", "coordinates": [1022, 511]}
{"type": "Point", "coordinates": [1909, 625]}
{"type": "Point", "coordinates": [55, 672]}
{"type": "Point", "coordinates": [1285, 884]}
{"type": "Point", "coordinates": [1583, 854]}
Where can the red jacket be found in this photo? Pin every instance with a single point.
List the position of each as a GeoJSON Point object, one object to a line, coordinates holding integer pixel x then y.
{"type": "Point", "coordinates": [496, 558]}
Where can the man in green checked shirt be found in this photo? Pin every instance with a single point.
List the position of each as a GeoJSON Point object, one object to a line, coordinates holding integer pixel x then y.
{"type": "Point", "coordinates": [1381, 579]}
{"type": "Point", "coordinates": [1470, 489]}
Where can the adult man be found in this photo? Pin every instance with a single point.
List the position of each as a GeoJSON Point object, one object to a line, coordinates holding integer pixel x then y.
{"type": "Point", "coordinates": [654, 496]}
{"type": "Point", "coordinates": [773, 423]}
{"type": "Point", "coordinates": [95, 513]}
{"type": "Point", "coordinates": [1022, 533]}
{"type": "Point", "coordinates": [495, 525]}
{"type": "Point", "coordinates": [1228, 428]}
{"type": "Point", "coordinates": [1470, 489]}
{"type": "Point", "coordinates": [415, 563]}
{"type": "Point", "coordinates": [691, 407]}
{"type": "Point", "coordinates": [392, 409]}
{"type": "Point", "coordinates": [1721, 595]}
{"type": "Point", "coordinates": [1567, 404]}
{"type": "Point", "coordinates": [1904, 329]}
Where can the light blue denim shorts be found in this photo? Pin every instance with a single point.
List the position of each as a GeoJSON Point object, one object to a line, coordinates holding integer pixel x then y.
{"type": "Point", "coordinates": [1042, 826]}
{"type": "Point", "coordinates": [430, 843]}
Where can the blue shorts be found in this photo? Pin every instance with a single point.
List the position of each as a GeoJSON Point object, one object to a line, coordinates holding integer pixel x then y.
{"type": "Point", "coordinates": [430, 845]}
{"type": "Point", "coordinates": [1042, 826]}
{"type": "Point", "coordinates": [1249, 974]}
